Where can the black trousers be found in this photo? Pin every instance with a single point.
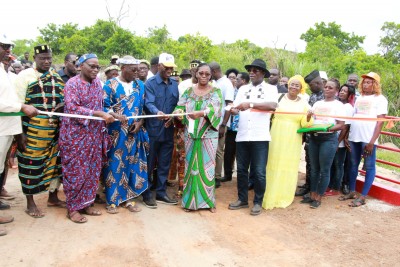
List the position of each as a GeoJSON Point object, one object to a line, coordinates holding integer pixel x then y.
{"type": "Point", "coordinates": [230, 152]}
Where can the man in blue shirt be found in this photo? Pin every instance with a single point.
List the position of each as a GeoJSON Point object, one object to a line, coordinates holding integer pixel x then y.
{"type": "Point", "coordinates": [161, 98]}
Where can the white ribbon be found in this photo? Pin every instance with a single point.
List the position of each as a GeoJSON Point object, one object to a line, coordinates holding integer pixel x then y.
{"type": "Point", "coordinates": [101, 119]}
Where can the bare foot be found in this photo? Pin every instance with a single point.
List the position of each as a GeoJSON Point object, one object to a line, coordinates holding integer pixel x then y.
{"type": "Point", "coordinates": [76, 217]}
{"type": "Point", "coordinates": [34, 212]}
{"type": "Point", "coordinates": [213, 210]}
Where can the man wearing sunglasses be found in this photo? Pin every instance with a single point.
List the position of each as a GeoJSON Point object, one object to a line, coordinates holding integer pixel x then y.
{"type": "Point", "coordinates": [69, 69]}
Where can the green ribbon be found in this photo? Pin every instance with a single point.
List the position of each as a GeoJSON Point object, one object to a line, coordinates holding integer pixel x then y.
{"type": "Point", "coordinates": [7, 114]}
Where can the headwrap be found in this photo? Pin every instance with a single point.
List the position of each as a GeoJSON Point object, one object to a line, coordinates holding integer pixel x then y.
{"type": "Point", "coordinates": [128, 60]}
{"type": "Point", "coordinates": [85, 57]}
{"type": "Point", "coordinates": [302, 82]}
{"type": "Point", "coordinates": [112, 67]}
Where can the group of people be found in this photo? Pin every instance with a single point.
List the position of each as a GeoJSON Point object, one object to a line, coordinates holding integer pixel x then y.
{"type": "Point", "coordinates": [141, 118]}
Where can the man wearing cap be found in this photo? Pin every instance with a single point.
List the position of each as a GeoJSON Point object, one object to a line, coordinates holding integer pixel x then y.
{"type": "Point", "coordinates": [83, 142]}
{"type": "Point", "coordinates": [253, 136]}
{"type": "Point", "coordinates": [315, 82]}
{"type": "Point", "coordinates": [9, 126]}
{"type": "Point", "coordinates": [69, 69]}
{"type": "Point", "coordinates": [228, 92]}
{"type": "Point", "coordinates": [161, 98]}
{"type": "Point", "coordinates": [125, 175]}
{"type": "Point", "coordinates": [113, 60]}
{"type": "Point", "coordinates": [185, 75]}
{"type": "Point", "coordinates": [38, 162]}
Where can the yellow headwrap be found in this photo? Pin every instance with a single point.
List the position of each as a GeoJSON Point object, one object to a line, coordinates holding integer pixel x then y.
{"type": "Point", "coordinates": [302, 82]}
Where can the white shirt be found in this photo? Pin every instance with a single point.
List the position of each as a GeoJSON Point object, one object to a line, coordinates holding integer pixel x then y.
{"type": "Point", "coordinates": [8, 103]}
{"type": "Point", "coordinates": [227, 89]}
{"type": "Point", "coordinates": [349, 110]}
{"type": "Point", "coordinates": [328, 108]}
{"type": "Point", "coordinates": [254, 126]}
{"type": "Point", "coordinates": [369, 106]}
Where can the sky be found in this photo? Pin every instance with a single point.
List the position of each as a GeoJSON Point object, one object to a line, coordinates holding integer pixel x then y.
{"type": "Point", "coordinates": [275, 24]}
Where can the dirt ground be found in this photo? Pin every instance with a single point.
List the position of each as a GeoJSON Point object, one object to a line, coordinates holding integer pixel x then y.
{"type": "Point", "coordinates": [332, 235]}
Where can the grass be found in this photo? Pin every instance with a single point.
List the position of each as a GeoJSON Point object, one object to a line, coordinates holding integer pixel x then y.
{"type": "Point", "coordinates": [388, 156]}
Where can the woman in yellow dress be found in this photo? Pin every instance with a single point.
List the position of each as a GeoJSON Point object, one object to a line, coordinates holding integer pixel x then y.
{"type": "Point", "coordinates": [285, 147]}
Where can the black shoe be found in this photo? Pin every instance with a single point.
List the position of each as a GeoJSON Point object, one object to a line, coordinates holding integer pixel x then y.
{"type": "Point", "coordinates": [166, 200]}
{"type": "Point", "coordinates": [4, 206]}
{"type": "Point", "coordinates": [150, 203]}
{"type": "Point", "coordinates": [225, 179]}
{"type": "Point", "coordinates": [345, 189]}
{"type": "Point", "coordinates": [303, 186]}
{"type": "Point", "coordinates": [217, 183]}
{"type": "Point", "coordinates": [238, 205]}
{"type": "Point", "coordinates": [306, 200]}
{"type": "Point", "coordinates": [302, 192]}
{"type": "Point", "coordinates": [315, 204]}
{"type": "Point", "coordinates": [250, 186]}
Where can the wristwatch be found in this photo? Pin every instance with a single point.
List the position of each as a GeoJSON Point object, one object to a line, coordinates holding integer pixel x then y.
{"type": "Point", "coordinates": [222, 125]}
{"type": "Point", "coordinates": [251, 105]}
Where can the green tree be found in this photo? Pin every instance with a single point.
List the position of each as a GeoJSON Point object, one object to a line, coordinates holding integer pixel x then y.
{"type": "Point", "coordinates": [77, 43]}
{"type": "Point", "coordinates": [22, 46]}
{"type": "Point", "coordinates": [344, 41]}
{"type": "Point", "coordinates": [98, 34]}
{"type": "Point", "coordinates": [53, 35]}
{"type": "Point", "coordinates": [390, 42]}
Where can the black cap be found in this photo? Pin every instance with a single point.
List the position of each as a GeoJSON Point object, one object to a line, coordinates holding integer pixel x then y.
{"type": "Point", "coordinates": [41, 49]}
{"type": "Point", "coordinates": [314, 74]}
{"type": "Point", "coordinates": [185, 72]}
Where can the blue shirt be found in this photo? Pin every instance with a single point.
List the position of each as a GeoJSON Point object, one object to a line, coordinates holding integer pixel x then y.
{"type": "Point", "coordinates": [160, 96]}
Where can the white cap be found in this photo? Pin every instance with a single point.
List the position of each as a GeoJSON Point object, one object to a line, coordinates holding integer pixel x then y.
{"type": "Point", "coordinates": [167, 60]}
{"type": "Point", "coordinates": [5, 40]}
{"type": "Point", "coordinates": [323, 75]}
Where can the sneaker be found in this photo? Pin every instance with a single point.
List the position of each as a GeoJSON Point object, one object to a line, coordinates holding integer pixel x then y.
{"type": "Point", "coordinates": [315, 204]}
{"type": "Point", "coordinates": [256, 210]}
{"type": "Point", "coordinates": [332, 192]}
{"type": "Point", "coordinates": [150, 203]}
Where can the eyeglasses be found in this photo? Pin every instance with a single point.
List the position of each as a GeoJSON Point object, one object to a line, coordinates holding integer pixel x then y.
{"type": "Point", "coordinates": [205, 74]}
{"type": "Point", "coordinates": [5, 46]}
{"type": "Point", "coordinates": [254, 70]}
{"type": "Point", "coordinates": [93, 67]}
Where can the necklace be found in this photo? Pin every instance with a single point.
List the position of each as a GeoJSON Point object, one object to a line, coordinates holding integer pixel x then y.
{"type": "Point", "coordinates": [53, 93]}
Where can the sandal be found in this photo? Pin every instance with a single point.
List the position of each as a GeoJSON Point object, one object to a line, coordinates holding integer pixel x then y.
{"type": "Point", "coordinates": [91, 211]}
{"type": "Point", "coordinates": [76, 217]}
{"type": "Point", "coordinates": [132, 207]}
{"type": "Point", "coordinates": [357, 202]}
{"type": "Point", "coordinates": [352, 195]}
{"type": "Point", "coordinates": [112, 209]}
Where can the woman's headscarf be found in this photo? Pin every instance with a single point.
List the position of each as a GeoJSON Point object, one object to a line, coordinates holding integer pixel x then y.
{"type": "Point", "coordinates": [302, 82]}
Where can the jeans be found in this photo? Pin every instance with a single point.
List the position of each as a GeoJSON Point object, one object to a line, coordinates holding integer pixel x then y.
{"type": "Point", "coordinates": [253, 154]}
{"type": "Point", "coordinates": [162, 152]}
{"type": "Point", "coordinates": [357, 150]}
{"type": "Point", "coordinates": [338, 169]}
{"type": "Point", "coordinates": [322, 150]}
{"type": "Point", "coordinates": [230, 152]}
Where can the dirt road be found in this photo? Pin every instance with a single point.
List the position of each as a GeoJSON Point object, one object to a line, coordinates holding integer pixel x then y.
{"type": "Point", "coordinates": [333, 235]}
